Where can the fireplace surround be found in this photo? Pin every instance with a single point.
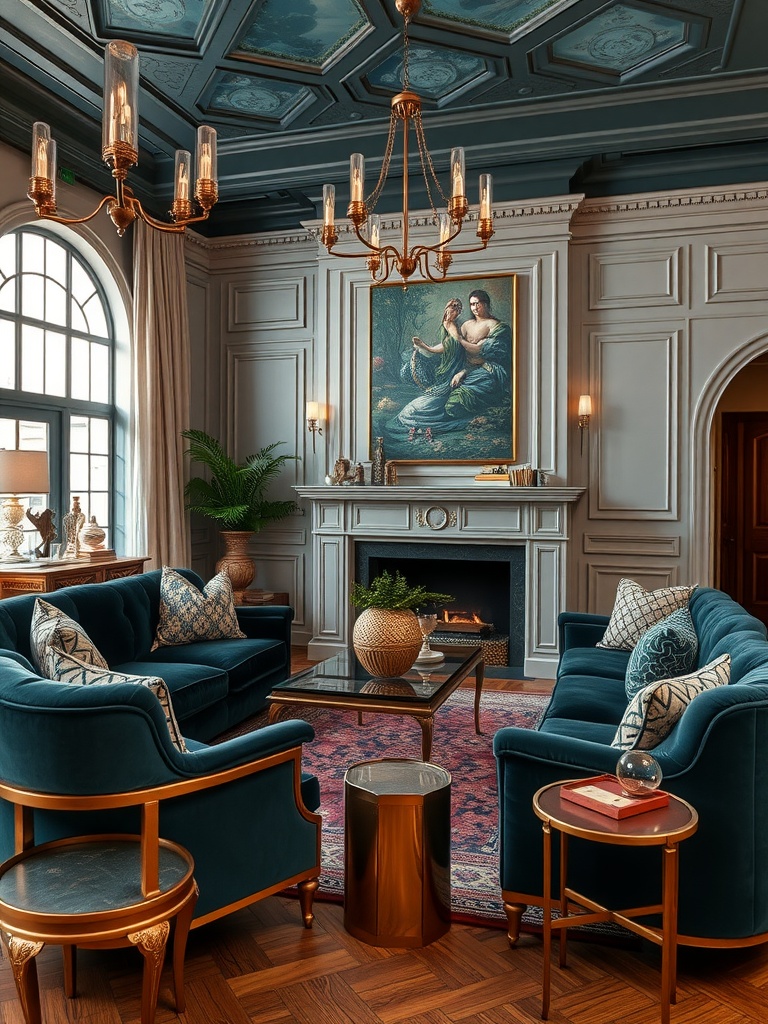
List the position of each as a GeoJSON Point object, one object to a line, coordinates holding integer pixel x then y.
{"type": "Point", "coordinates": [470, 519]}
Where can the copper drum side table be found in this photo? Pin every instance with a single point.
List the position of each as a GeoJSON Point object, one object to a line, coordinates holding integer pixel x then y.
{"type": "Point", "coordinates": [666, 827]}
{"type": "Point", "coordinates": [96, 892]}
{"type": "Point", "coordinates": [397, 852]}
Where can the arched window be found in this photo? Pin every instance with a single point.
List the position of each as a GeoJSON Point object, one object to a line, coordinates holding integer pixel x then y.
{"type": "Point", "coordinates": [57, 373]}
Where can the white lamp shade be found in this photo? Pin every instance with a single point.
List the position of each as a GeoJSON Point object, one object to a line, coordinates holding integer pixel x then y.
{"type": "Point", "coordinates": [313, 411]}
{"type": "Point", "coordinates": [585, 405]}
{"type": "Point", "coordinates": [23, 472]}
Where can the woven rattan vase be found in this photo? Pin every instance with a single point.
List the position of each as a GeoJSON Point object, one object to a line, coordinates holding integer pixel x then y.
{"type": "Point", "coordinates": [386, 642]}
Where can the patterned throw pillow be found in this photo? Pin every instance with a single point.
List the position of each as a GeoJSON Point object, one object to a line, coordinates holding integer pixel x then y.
{"type": "Point", "coordinates": [636, 610]}
{"type": "Point", "coordinates": [52, 628]}
{"type": "Point", "coordinates": [664, 651]}
{"type": "Point", "coordinates": [186, 615]}
{"type": "Point", "coordinates": [653, 712]}
{"type": "Point", "coordinates": [67, 669]}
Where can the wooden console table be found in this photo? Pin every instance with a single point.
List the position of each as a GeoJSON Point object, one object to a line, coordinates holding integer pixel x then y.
{"type": "Point", "coordinates": [43, 578]}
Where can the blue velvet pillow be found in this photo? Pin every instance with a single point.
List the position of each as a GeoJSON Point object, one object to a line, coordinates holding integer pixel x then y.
{"type": "Point", "coordinates": [664, 651]}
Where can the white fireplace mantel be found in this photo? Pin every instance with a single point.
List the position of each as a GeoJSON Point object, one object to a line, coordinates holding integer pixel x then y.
{"type": "Point", "coordinates": [537, 518]}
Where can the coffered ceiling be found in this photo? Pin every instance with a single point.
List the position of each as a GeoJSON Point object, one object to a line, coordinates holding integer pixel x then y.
{"type": "Point", "coordinates": [602, 96]}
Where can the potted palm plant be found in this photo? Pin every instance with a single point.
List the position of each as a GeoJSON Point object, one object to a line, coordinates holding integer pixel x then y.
{"type": "Point", "coordinates": [234, 495]}
{"type": "Point", "coordinates": [386, 635]}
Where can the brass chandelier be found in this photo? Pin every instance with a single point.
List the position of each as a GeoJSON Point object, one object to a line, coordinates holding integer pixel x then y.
{"type": "Point", "coordinates": [120, 150]}
{"type": "Point", "coordinates": [384, 259]}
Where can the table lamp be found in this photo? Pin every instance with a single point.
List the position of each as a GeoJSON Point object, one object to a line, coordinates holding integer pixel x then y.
{"type": "Point", "coordinates": [21, 473]}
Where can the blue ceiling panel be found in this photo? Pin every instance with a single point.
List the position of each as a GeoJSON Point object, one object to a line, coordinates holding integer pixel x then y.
{"type": "Point", "coordinates": [434, 73]}
{"type": "Point", "coordinates": [496, 15]}
{"type": "Point", "coordinates": [171, 18]}
{"type": "Point", "coordinates": [621, 38]}
{"type": "Point", "coordinates": [252, 97]}
{"type": "Point", "coordinates": [302, 32]}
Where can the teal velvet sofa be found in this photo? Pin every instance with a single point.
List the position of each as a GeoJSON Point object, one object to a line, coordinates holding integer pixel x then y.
{"type": "Point", "coordinates": [214, 684]}
{"type": "Point", "coordinates": [242, 807]}
{"type": "Point", "coordinates": [716, 757]}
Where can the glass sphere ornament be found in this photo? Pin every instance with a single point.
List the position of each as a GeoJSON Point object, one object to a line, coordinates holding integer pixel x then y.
{"type": "Point", "coordinates": [638, 773]}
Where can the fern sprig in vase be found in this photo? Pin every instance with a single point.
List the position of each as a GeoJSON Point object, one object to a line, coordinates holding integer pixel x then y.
{"type": "Point", "coordinates": [386, 635]}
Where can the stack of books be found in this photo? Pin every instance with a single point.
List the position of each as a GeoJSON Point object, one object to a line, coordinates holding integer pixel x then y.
{"type": "Point", "coordinates": [97, 554]}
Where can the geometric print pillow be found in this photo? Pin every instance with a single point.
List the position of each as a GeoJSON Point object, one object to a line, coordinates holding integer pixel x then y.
{"type": "Point", "coordinates": [52, 628]}
{"type": "Point", "coordinates": [664, 651]}
{"type": "Point", "coordinates": [653, 712]}
{"type": "Point", "coordinates": [637, 609]}
{"type": "Point", "coordinates": [68, 669]}
{"type": "Point", "coordinates": [187, 616]}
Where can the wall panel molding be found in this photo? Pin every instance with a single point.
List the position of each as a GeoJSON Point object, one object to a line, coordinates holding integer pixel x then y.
{"type": "Point", "coordinates": [643, 420]}
{"type": "Point", "coordinates": [635, 544]}
{"type": "Point", "coordinates": [271, 303]}
{"type": "Point", "coordinates": [736, 272]}
{"type": "Point", "coordinates": [643, 278]}
{"type": "Point", "coordinates": [602, 581]}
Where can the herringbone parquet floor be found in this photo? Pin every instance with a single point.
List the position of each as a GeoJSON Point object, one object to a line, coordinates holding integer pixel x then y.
{"type": "Point", "coordinates": [260, 966]}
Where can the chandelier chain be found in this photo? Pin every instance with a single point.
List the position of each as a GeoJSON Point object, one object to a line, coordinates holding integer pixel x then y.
{"type": "Point", "coordinates": [425, 155]}
{"type": "Point", "coordinates": [373, 198]}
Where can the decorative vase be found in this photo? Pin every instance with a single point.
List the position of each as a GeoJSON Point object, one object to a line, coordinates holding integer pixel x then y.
{"type": "Point", "coordinates": [236, 562]}
{"type": "Point", "coordinates": [92, 536]}
{"type": "Point", "coordinates": [73, 522]}
{"type": "Point", "coordinates": [378, 462]}
{"type": "Point", "coordinates": [386, 642]}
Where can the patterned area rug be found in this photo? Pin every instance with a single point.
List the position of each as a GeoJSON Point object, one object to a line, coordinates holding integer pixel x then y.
{"type": "Point", "coordinates": [340, 742]}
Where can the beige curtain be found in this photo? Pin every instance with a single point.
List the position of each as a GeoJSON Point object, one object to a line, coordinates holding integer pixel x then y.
{"type": "Point", "coordinates": [161, 365]}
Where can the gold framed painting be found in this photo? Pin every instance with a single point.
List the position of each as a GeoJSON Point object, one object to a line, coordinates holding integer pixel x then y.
{"type": "Point", "coordinates": [443, 384]}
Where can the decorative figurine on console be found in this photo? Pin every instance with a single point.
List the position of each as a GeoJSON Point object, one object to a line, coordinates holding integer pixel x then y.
{"type": "Point", "coordinates": [73, 522]}
{"type": "Point", "coordinates": [43, 522]}
{"type": "Point", "coordinates": [342, 472]}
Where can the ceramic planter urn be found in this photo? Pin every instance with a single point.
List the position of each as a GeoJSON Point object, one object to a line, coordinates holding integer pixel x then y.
{"type": "Point", "coordinates": [386, 642]}
{"type": "Point", "coordinates": [236, 562]}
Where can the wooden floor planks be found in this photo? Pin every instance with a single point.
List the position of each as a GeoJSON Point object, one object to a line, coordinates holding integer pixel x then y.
{"type": "Point", "coordinates": [260, 966]}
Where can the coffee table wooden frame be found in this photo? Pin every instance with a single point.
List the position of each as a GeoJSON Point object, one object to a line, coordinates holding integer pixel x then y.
{"type": "Point", "coordinates": [666, 827]}
{"type": "Point", "coordinates": [422, 711]}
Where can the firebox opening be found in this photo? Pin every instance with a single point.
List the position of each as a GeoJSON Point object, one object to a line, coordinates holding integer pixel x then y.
{"type": "Point", "coordinates": [487, 582]}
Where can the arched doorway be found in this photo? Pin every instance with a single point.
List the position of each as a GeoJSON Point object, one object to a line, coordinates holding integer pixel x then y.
{"type": "Point", "coordinates": [730, 484]}
{"type": "Point", "coordinates": [742, 548]}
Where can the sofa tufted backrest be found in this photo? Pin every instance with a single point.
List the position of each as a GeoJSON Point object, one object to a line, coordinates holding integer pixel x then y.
{"type": "Point", "coordinates": [119, 616]}
{"type": "Point", "coordinates": [723, 626]}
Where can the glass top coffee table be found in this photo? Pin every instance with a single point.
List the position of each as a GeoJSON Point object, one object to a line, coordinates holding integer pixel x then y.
{"type": "Point", "coordinates": [342, 682]}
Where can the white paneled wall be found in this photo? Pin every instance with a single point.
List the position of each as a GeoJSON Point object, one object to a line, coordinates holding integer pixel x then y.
{"type": "Point", "coordinates": [669, 300]}
{"type": "Point", "coordinates": [650, 303]}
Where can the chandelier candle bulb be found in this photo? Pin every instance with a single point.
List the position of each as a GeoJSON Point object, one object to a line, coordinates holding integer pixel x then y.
{"type": "Point", "coordinates": [445, 228]}
{"type": "Point", "coordinates": [42, 144]}
{"type": "Point", "coordinates": [486, 196]}
{"type": "Point", "coordinates": [181, 176]}
{"type": "Point", "coordinates": [457, 173]}
{"type": "Point", "coordinates": [121, 99]}
{"type": "Point", "coordinates": [374, 230]}
{"type": "Point", "coordinates": [329, 205]}
{"type": "Point", "coordinates": [206, 153]}
{"type": "Point", "coordinates": [356, 177]}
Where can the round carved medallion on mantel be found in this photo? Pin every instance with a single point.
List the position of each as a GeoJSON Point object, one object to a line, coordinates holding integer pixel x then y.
{"type": "Point", "coordinates": [435, 517]}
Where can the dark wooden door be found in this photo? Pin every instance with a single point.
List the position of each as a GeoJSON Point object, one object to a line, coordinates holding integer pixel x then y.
{"type": "Point", "coordinates": [744, 510]}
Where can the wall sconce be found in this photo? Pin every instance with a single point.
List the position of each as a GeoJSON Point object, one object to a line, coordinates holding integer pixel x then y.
{"type": "Point", "coordinates": [21, 473]}
{"type": "Point", "coordinates": [313, 421]}
{"type": "Point", "coordinates": [585, 411]}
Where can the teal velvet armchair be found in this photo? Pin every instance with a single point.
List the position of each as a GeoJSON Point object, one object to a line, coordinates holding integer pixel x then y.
{"type": "Point", "coordinates": [242, 807]}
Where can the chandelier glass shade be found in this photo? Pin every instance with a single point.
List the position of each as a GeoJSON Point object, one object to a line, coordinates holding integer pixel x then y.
{"type": "Point", "coordinates": [432, 261]}
{"type": "Point", "coordinates": [120, 150]}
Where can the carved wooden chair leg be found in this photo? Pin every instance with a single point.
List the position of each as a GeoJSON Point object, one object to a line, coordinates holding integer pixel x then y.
{"type": "Point", "coordinates": [69, 956]}
{"type": "Point", "coordinates": [514, 912]}
{"type": "Point", "coordinates": [151, 944]}
{"type": "Point", "coordinates": [180, 935]}
{"type": "Point", "coordinates": [21, 956]}
{"type": "Point", "coordinates": [307, 890]}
